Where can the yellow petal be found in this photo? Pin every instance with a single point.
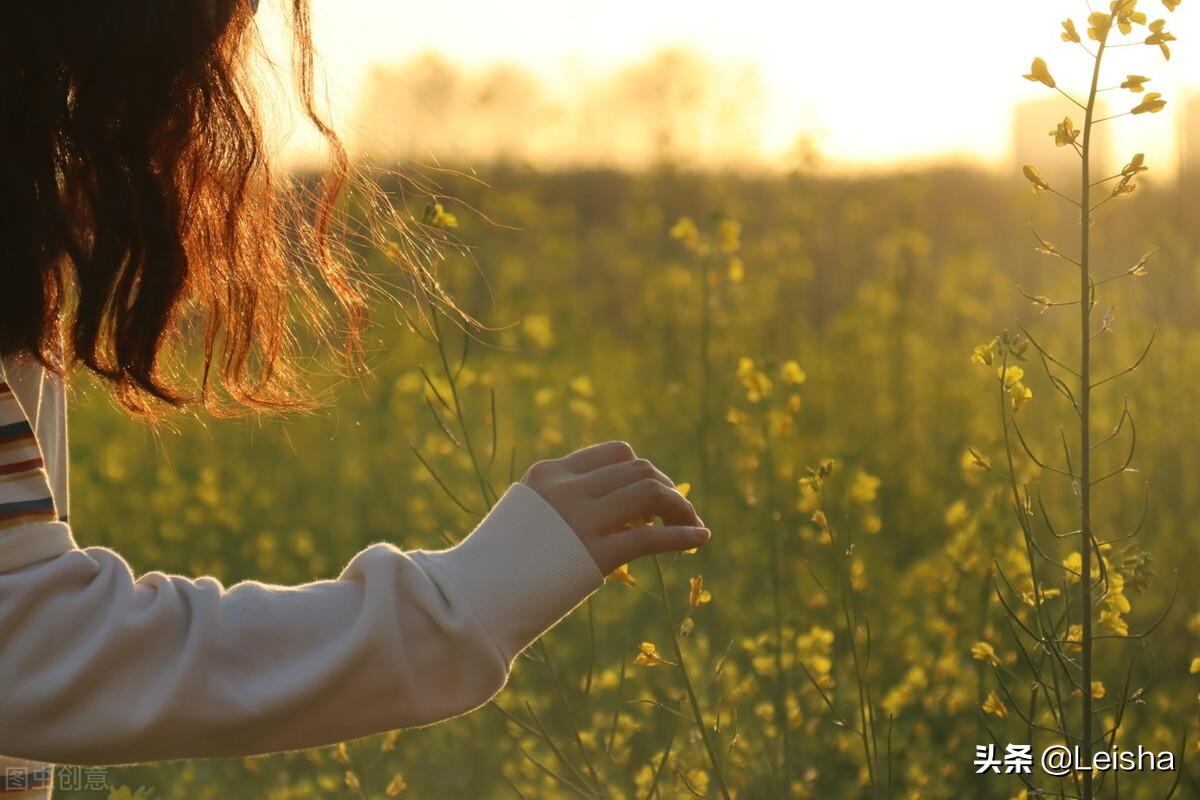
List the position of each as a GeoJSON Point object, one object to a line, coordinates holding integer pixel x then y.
{"type": "Point", "coordinates": [1152, 104]}
{"type": "Point", "coordinates": [622, 575]}
{"type": "Point", "coordinates": [1099, 25]}
{"type": "Point", "coordinates": [396, 786]}
{"type": "Point", "coordinates": [1034, 177]}
{"type": "Point", "coordinates": [1135, 83]}
{"type": "Point", "coordinates": [1040, 73]}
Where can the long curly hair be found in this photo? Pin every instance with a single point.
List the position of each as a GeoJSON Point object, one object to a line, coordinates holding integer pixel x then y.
{"type": "Point", "coordinates": [143, 231]}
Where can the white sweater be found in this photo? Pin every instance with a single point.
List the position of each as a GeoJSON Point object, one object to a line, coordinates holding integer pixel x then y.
{"type": "Point", "coordinates": [99, 666]}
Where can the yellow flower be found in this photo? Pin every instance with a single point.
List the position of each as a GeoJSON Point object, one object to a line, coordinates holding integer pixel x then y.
{"type": "Point", "coordinates": [1124, 186]}
{"type": "Point", "coordinates": [1011, 376]}
{"type": "Point", "coordinates": [1074, 563]}
{"type": "Point", "coordinates": [1136, 164]}
{"type": "Point", "coordinates": [1040, 73]}
{"type": "Point", "coordinates": [648, 656]}
{"type": "Point", "coordinates": [1135, 83]}
{"type": "Point", "coordinates": [582, 385]}
{"type": "Point", "coordinates": [1065, 133]}
{"type": "Point", "coordinates": [992, 704]}
{"type": "Point", "coordinates": [389, 742]}
{"type": "Point", "coordinates": [396, 786]}
{"type": "Point", "coordinates": [1069, 33]}
{"type": "Point", "coordinates": [737, 270]}
{"type": "Point", "coordinates": [757, 384]}
{"type": "Point", "coordinates": [1099, 25]}
{"type": "Point", "coordinates": [1020, 395]}
{"type": "Point", "coordinates": [1113, 621]}
{"type": "Point", "coordinates": [1098, 690]}
{"type": "Point", "coordinates": [698, 595]}
{"type": "Point", "coordinates": [622, 575]}
{"type": "Point", "coordinates": [956, 514]}
{"type": "Point", "coordinates": [341, 754]}
{"type": "Point", "coordinates": [538, 329]}
{"type": "Point", "coordinates": [439, 217]}
{"type": "Point", "coordinates": [1127, 14]}
{"type": "Point", "coordinates": [582, 408]}
{"type": "Point", "coordinates": [865, 487]}
{"type": "Point", "coordinates": [352, 782]}
{"type": "Point", "coordinates": [1159, 36]}
{"type": "Point", "coordinates": [792, 374]}
{"type": "Point", "coordinates": [1034, 177]}
{"type": "Point", "coordinates": [984, 354]}
{"type": "Point", "coordinates": [1152, 104]}
{"type": "Point", "coordinates": [1172, 4]}
{"type": "Point", "coordinates": [686, 232]}
{"type": "Point", "coordinates": [982, 651]}
{"type": "Point", "coordinates": [1116, 599]}
{"type": "Point", "coordinates": [1195, 666]}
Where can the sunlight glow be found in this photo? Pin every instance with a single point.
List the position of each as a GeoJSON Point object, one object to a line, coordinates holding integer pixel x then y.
{"type": "Point", "coordinates": [870, 83]}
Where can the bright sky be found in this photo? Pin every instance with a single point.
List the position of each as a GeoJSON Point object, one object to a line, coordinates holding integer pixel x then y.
{"type": "Point", "coordinates": [876, 81]}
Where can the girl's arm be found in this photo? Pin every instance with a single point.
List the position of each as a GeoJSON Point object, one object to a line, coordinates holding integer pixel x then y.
{"type": "Point", "coordinates": [97, 667]}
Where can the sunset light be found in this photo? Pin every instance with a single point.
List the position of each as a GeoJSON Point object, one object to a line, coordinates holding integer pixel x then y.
{"type": "Point", "coordinates": [864, 84]}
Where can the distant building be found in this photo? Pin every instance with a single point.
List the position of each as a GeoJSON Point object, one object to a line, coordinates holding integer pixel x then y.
{"type": "Point", "coordinates": [1032, 143]}
{"type": "Point", "coordinates": [1187, 120]}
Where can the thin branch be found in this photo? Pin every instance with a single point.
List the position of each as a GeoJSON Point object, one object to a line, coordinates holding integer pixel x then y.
{"type": "Point", "coordinates": [1069, 97]}
{"type": "Point", "coordinates": [1037, 345]}
{"type": "Point", "coordinates": [1141, 520]}
{"type": "Point", "coordinates": [1126, 466]}
{"type": "Point", "coordinates": [1029, 452]}
{"type": "Point", "coordinates": [1134, 365]}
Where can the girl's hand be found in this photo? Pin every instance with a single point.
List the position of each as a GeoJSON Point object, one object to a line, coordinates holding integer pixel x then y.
{"type": "Point", "coordinates": [604, 489]}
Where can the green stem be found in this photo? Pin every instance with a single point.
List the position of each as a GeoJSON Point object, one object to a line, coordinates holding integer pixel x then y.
{"type": "Point", "coordinates": [1085, 446]}
{"type": "Point", "coordinates": [687, 683]}
{"type": "Point", "coordinates": [706, 378]}
{"type": "Point", "coordinates": [451, 378]}
{"type": "Point", "coordinates": [865, 712]}
{"type": "Point", "coordinates": [781, 683]}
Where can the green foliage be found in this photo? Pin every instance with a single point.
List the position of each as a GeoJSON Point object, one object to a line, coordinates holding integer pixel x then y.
{"type": "Point", "coordinates": [868, 501]}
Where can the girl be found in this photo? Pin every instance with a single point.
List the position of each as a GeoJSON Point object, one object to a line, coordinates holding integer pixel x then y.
{"type": "Point", "coordinates": [138, 215]}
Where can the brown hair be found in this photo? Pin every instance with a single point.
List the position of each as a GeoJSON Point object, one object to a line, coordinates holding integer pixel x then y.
{"type": "Point", "coordinates": [143, 233]}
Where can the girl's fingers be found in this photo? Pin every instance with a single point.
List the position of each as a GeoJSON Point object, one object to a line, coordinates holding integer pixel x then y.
{"type": "Point", "coordinates": [608, 479]}
{"type": "Point", "coordinates": [643, 500]}
{"type": "Point", "coordinates": [598, 455]}
{"type": "Point", "coordinates": [644, 540]}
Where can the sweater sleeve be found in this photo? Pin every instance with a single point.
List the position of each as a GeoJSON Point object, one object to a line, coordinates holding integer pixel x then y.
{"type": "Point", "coordinates": [100, 667]}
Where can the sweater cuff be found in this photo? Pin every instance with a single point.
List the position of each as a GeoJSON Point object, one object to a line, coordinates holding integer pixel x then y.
{"type": "Point", "coordinates": [29, 544]}
{"type": "Point", "coordinates": [522, 570]}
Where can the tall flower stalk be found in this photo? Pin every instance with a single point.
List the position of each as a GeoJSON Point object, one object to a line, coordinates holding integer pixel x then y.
{"type": "Point", "coordinates": [1065, 637]}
